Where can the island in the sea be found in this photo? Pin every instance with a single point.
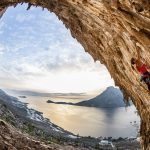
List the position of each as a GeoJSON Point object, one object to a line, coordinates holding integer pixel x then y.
{"type": "Point", "coordinates": [22, 96]}
{"type": "Point", "coordinates": [110, 98]}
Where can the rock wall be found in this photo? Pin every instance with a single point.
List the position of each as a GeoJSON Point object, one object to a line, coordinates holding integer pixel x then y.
{"type": "Point", "coordinates": [111, 31]}
{"type": "Point", "coordinates": [11, 139]}
{"type": "Point", "coordinates": [2, 11]}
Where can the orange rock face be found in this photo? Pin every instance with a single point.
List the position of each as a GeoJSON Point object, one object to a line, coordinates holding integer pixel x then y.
{"type": "Point", "coordinates": [111, 31]}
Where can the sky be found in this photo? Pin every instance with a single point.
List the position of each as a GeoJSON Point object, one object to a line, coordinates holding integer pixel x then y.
{"type": "Point", "coordinates": [38, 53]}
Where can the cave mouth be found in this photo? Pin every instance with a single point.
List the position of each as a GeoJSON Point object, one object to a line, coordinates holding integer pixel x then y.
{"type": "Point", "coordinates": [23, 34]}
{"type": "Point", "coordinates": [117, 28]}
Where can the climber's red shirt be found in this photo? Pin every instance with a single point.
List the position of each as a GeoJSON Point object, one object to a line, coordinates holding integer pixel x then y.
{"type": "Point", "coordinates": [142, 69]}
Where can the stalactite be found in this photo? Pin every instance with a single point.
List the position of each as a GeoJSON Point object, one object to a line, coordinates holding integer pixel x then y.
{"type": "Point", "coordinates": [29, 6]}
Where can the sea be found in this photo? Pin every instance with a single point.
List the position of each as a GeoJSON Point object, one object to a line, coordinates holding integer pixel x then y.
{"type": "Point", "coordinates": [87, 121]}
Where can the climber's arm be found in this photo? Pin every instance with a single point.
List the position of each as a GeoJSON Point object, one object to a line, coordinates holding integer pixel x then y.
{"type": "Point", "coordinates": [148, 68]}
{"type": "Point", "coordinates": [138, 54]}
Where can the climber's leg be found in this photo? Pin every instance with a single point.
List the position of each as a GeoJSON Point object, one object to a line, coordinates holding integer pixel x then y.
{"type": "Point", "coordinates": [147, 81]}
{"type": "Point", "coordinates": [148, 85]}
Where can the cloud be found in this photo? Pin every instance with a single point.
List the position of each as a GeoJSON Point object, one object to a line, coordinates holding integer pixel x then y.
{"type": "Point", "coordinates": [22, 18]}
{"type": "Point", "coordinates": [1, 50]}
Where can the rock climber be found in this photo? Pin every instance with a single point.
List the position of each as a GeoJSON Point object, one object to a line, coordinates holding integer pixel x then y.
{"type": "Point", "coordinates": [141, 68]}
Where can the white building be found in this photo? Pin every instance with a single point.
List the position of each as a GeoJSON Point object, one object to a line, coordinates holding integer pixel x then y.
{"type": "Point", "coordinates": [104, 142]}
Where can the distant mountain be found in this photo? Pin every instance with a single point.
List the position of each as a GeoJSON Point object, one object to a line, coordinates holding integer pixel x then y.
{"type": "Point", "coordinates": [7, 98]}
{"type": "Point", "coordinates": [110, 98]}
{"type": "Point", "coordinates": [33, 93]}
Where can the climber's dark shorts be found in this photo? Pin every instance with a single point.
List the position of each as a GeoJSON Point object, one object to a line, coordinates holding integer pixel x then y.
{"type": "Point", "coordinates": [146, 78]}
